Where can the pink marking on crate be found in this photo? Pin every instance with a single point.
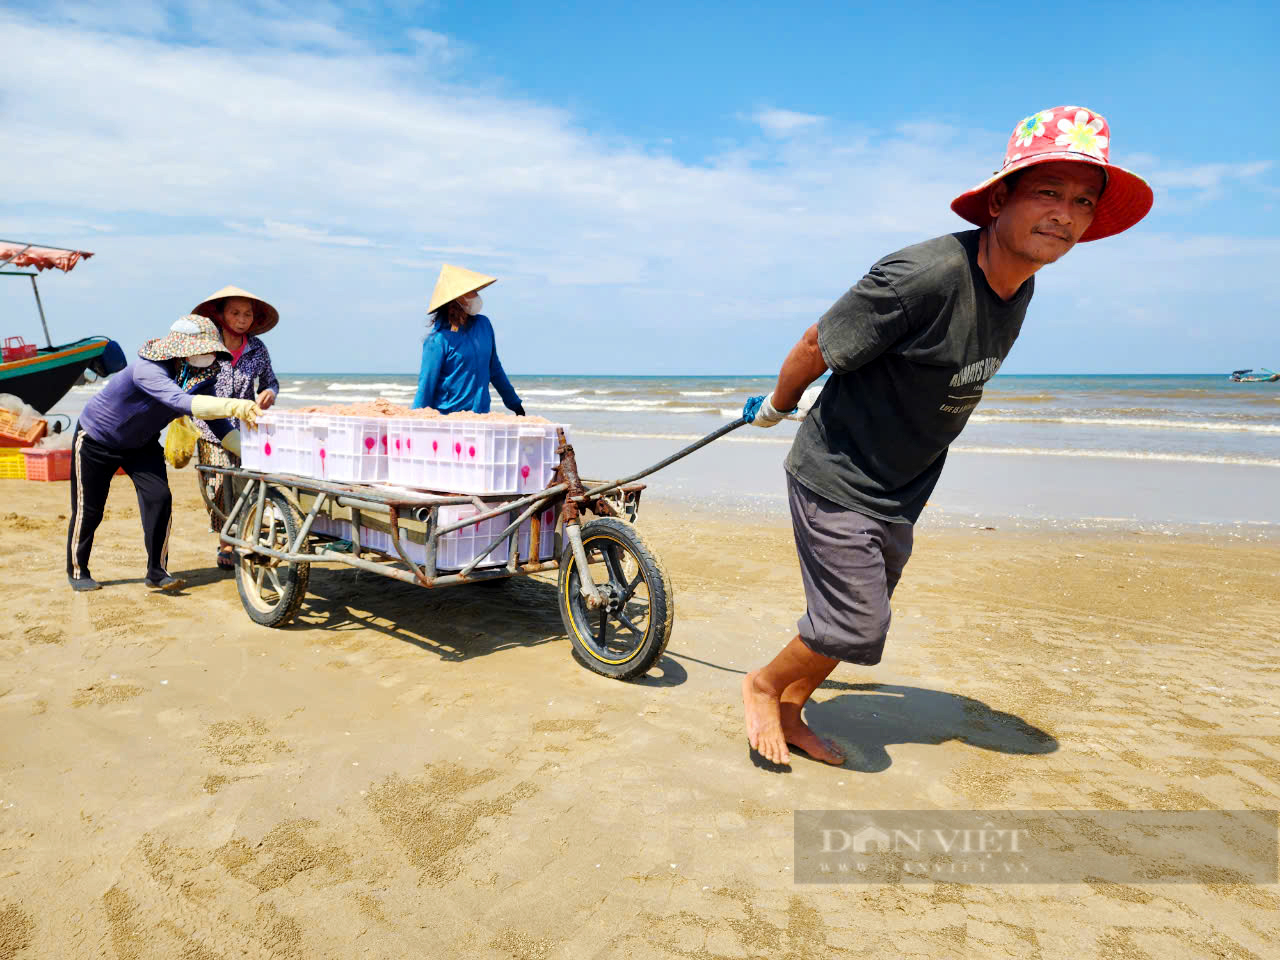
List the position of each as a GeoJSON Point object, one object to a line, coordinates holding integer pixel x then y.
{"type": "Point", "coordinates": [397, 443]}
{"type": "Point", "coordinates": [384, 443]}
{"type": "Point", "coordinates": [368, 444]}
{"type": "Point", "coordinates": [524, 471]}
{"type": "Point", "coordinates": [473, 452]}
{"type": "Point", "coordinates": [266, 448]}
{"type": "Point", "coordinates": [457, 448]}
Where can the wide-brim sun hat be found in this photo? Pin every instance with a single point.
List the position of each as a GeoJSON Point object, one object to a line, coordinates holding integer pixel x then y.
{"type": "Point", "coordinates": [265, 316]}
{"type": "Point", "coordinates": [455, 282]}
{"type": "Point", "coordinates": [1079, 135]}
{"type": "Point", "coordinates": [190, 336]}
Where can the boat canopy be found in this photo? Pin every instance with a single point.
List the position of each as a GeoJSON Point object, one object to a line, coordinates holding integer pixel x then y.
{"type": "Point", "coordinates": [22, 254]}
{"type": "Point", "coordinates": [18, 254]}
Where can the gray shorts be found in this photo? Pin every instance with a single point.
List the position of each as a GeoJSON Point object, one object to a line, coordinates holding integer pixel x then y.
{"type": "Point", "coordinates": [850, 563]}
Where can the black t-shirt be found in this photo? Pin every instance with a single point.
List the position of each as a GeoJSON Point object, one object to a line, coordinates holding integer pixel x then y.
{"type": "Point", "coordinates": [909, 348]}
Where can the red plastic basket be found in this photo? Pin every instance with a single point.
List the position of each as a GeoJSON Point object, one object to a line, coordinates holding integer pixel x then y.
{"type": "Point", "coordinates": [15, 348]}
{"type": "Point", "coordinates": [47, 464]}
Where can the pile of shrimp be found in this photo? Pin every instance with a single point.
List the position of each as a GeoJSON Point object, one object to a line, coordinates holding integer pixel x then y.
{"type": "Point", "coordinates": [381, 407]}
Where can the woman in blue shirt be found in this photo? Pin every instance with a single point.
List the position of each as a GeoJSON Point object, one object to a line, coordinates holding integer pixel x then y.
{"type": "Point", "coordinates": [460, 354]}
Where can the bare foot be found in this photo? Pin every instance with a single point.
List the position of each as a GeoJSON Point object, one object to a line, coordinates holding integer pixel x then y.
{"type": "Point", "coordinates": [749, 712]}
{"type": "Point", "coordinates": [764, 725]}
{"type": "Point", "coordinates": [799, 735]}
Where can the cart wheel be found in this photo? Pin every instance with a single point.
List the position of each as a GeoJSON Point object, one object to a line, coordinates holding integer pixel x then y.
{"type": "Point", "coordinates": [626, 637]}
{"type": "Point", "coordinates": [272, 590]}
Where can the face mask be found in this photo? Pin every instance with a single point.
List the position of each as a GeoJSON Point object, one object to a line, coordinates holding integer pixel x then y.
{"type": "Point", "coordinates": [200, 361]}
{"type": "Point", "coordinates": [473, 305]}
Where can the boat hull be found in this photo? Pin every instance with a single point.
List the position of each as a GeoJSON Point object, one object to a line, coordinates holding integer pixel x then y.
{"type": "Point", "coordinates": [44, 379]}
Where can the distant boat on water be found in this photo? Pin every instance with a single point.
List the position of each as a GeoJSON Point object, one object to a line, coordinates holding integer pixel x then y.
{"type": "Point", "coordinates": [41, 376]}
{"type": "Point", "coordinates": [1261, 375]}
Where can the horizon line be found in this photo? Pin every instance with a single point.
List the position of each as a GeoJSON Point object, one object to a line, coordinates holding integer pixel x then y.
{"type": "Point", "coordinates": [726, 376]}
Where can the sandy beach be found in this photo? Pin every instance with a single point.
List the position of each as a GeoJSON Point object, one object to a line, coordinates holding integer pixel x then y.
{"type": "Point", "coordinates": [405, 773]}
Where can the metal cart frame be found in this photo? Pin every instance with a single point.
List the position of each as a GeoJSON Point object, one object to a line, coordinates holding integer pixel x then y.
{"type": "Point", "coordinates": [270, 529]}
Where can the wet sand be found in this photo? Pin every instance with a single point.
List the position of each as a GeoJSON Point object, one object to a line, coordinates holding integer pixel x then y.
{"type": "Point", "coordinates": [408, 773]}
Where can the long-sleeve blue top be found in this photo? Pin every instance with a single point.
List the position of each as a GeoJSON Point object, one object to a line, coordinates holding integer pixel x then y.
{"type": "Point", "coordinates": [457, 368]}
{"type": "Point", "coordinates": [137, 403]}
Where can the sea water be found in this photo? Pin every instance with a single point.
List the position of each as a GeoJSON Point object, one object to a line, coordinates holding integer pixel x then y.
{"type": "Point", "coordinates": [1186, 448]}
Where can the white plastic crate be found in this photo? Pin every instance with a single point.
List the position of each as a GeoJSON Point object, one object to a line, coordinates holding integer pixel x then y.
{"type": "Point", "coordinates": [281, 444]}
{"type": "Point", "coordinates": [471, 456]}
{"type": "Point", "coordinates": [348, 449]}
{"type": "Point", "coordinates": [323, 523]}
{"type": "Point", "coordinates": [377, 540]}
{"type": "Point", "coordinates": [461, 456]}
{"type": "Point", "coordinates": [456, 549]}
{"type": "Point", "coordinates": [253, 443]}
{"type": "Point", "coordinates": [546, 538]}
{"type": "Point", "coordinates": [370, 539]}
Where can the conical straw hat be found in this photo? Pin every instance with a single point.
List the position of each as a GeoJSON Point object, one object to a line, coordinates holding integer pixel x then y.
{"type": "Point", "coordinates": [265, 316]}
{"type": "Point", "coordinates": [455, 282]}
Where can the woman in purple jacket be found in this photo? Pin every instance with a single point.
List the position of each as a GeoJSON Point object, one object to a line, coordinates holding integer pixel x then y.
{"type": "Point", "coordinates": [244, 373]}
{"type": "Point", "coordinates": [120, 428]}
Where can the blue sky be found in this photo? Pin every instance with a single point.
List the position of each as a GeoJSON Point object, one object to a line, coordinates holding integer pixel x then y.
{"type": "Point", "coordinates": [662, 188]}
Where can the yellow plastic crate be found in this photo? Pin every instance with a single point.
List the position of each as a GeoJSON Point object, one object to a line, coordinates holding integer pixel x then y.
{"type": "Point", "coordinates": [12, 464]}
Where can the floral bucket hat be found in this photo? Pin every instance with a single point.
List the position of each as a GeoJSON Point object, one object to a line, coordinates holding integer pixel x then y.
{"type": "Point", "coordinates": [189, 336]}
{"type": "Point", "coordinates": [1067, 133]}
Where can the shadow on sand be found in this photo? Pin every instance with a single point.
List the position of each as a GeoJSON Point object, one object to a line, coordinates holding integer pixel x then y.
{"type": "Point", "coordinates": [454, 623]}
{"type": "Point", "coordinates": [194, 578]}
{"type": "Point", "coordinates": [870, 717]}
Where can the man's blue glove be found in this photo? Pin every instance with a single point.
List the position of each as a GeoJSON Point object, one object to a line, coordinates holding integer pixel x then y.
{"type": "Point", "coordinates": [760, 412]}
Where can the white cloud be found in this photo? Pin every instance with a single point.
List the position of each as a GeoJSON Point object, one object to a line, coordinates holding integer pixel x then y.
{"type": "Point", "coordinates": [784, 123]}
{"type": "Point", "coordinates": [293, 231]}
{"type": "Point", "coordinates": [487, 253]}
{"type": "Point", "coordinates": [1210, 176]}
{"type": "Point", "coordinates": [1191, 189]}
{"type": "Point", "coordinates": [307, 166]}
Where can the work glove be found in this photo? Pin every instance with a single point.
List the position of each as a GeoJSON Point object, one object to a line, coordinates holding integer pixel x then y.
{"type": "Point", "coordinates": [518, 410]}
{"type": "Point", "coordinates": [216, 408]}
{"type": "Point", "coordinates": [231, 442]}
{"type": "Point", "coordinates": [760, 412]}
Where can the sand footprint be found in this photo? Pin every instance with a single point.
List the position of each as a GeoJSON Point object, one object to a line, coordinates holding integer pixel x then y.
{"type": "Point", "coordinates": [237, 743]}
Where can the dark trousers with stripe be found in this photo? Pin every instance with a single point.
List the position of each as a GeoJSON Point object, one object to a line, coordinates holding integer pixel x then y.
{"type": "Point", "coordinates": [92, 467]}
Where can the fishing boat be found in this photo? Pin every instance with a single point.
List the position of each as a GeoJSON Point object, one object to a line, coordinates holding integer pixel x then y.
{"type": "Point", "coordinates": [1261, 375]}
{"type": "Point", "coordinates": [41, 376]}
